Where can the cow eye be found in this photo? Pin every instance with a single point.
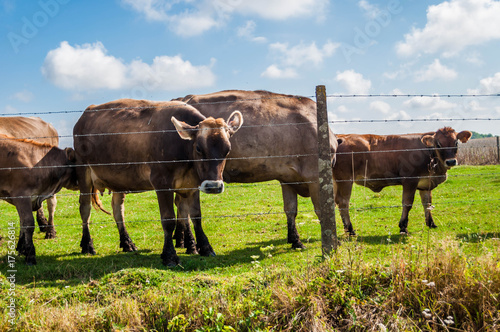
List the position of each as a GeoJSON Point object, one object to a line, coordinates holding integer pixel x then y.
{"type": "Point", "coordinates": [198, 149]}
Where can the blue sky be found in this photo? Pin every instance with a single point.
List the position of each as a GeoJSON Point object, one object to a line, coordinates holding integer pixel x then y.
{"type": "Point", "coordinates": [63, 55]}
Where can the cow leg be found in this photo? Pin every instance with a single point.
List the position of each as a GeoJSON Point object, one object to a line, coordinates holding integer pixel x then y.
{"type": "Point", "coordinates": [409, 189]}
{"type": "Point", "coordinates": [203, 245]}
{"type": "Point", "coordinates": [117, 202]}
{"type": "Point", "coordinates": [166, 202]}
{"type": "Point", "coordinates": [290, 207]}
{"type": "Point", "coordinates": [426, 198]}
{"type": "Point", "coordinates": [183, 236]}
{"type": "Point", "coordinates": [50, 229]}
{"type": "Point", "coordinates": [25, 244]}
{"type": "Point", "coordinates": [85, 184]}
{"type": "Point", "coordinates": [343, 190]}
{"type": "Point", "coordinates": [41, 220]}
{"type": "Point", "coordinates": [180, 225]}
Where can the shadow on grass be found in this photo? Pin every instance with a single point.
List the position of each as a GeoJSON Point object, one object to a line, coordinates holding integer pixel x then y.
{"type": "Point", "coordinates": [74, 268]}
{"type": "Point", "coordinates": [477, 237]}
{"type": "Point", "coordinates": [380, 239]}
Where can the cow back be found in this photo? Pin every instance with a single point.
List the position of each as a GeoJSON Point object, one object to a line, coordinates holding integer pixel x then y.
{"type": "Point", "coordinates": [124, 138]}
{"type": "Point", "coordinates": [29, 127]}
{"type": "Point", "coordinates": [276, 126]}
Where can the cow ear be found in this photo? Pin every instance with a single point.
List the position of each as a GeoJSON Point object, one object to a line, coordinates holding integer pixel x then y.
{"type": "Point", "coordinates": [234, 122]}
{"type": "Point", "coordinates": [464, 136]}
{"type": "Point", "coordinates": [70, 154]}
{"type": "Point", "coordinates": [185, 131]}
{"type": "Point", "coordinates": [428, 140]}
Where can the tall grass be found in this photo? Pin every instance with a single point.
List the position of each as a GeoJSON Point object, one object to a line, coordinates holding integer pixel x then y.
{"type": "Point", "coordinates": [444, 279]}
{"type": "Point", "coordinates": [479, 151]}
{"type": "Point", "coordinates": [419, 288]}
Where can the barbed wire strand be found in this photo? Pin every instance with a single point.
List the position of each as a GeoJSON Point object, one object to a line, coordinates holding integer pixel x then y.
{"type": "Point", "coordinates": [156, 162]}
{"type": "Point", "coordinates": [258, 214]}
{"type": "Point", "coordinates": [6, 137]}
{"type": "Point", "coordinates": [232, 186]}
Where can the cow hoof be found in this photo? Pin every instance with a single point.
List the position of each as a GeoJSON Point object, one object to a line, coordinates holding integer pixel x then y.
{"type": "Point", "coordinates": [432, 225]}
{"type": "Point", "coordinates": [298, 245]}
{"type": "Point", "coordinates": [191, 251]}
{"type": "Point", "coordinates": [30, 260]}
{"type": "Point", "coordinates": [129, 247]}
{"type": "Point", "coordinates": [350, 232]}
{"type": "Point", "coordinates": [403, 232]}
{"type": "Point", "coordinates": [206, 251]}
{"type": "Point", "coordinates": [170, 261]}
{"type": "Point", "coordinates": [88, 250]}
{"type": "Point", "coordinates": [50, 235]}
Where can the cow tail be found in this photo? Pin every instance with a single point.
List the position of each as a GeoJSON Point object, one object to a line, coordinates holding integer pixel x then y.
{"type": "Point", "coordinates": [96, 201]}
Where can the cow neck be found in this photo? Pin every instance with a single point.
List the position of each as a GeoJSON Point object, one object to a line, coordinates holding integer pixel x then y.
{"type": "Point", "coordinates": [434, 161]}
{"type": "Point", "coordinates": [435, 166]}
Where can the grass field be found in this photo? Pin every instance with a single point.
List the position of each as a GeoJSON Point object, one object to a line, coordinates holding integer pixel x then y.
{"type": "Point", "coordinates": [375, 281]}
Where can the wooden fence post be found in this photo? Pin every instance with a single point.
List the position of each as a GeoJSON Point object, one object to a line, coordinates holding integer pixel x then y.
{"type": "Point", "coordinates": [498, 149]}
{"type": "Point", "coordinates": [326, 198]}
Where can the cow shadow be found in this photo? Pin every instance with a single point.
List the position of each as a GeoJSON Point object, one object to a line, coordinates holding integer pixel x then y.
{"type": "Point", "coordinates": [389, 239]}
{"type": "Point", "coordinates": [73, 268]}
{"type": "Point", "coordinates": [477, 237]}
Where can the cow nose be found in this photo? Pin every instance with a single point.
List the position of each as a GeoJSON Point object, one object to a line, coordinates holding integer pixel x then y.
{"type": "Point", "coordinates": [212, 187]}
{"type": "Point", "coordinates": [451, 162]}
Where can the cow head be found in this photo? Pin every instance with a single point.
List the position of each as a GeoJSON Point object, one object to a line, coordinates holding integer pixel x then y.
{"type": "Point", "coordinates": [210, 147]}
{"type": "Point", "coordinates": [445, 144]}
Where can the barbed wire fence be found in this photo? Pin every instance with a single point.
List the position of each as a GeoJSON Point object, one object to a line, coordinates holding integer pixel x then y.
{"type": "Point", "coordinates": [478, 148]}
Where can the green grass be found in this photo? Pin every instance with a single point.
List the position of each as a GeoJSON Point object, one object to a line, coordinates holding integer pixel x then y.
{"type": "Point", "coordinates": [257, 281]}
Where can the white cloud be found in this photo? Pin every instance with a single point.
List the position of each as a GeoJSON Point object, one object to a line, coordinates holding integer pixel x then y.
{"type": "Point", "coordinates": [10, 109]}
{"type": "Point", "coordinates": [401, 115]}
{"type": "Point", "coordinates": [353, 82]}
{"type": "Point", "coordinates": [429, 103]}
{"type": "Point", "coordinates": [371, 11]}
{"type": "Point", "coordinates": [276, 73]}
{"type": "Point", "coordinates": [301, 54]}
{"type": "Point", "coordinates": [397, 91]}
{"type": "Point", "coordinates": [282, 9]}
{"type": "Point", "coordinates": [199, 16]}
{"type": "Point", "coordinates": [89, 67]}
{"type": "Point", "coordinates": [247, 31]}
{"type": "Point", "coordinates": [380, 106]}
{"type": "Point", "coordinates": [488, 85]}
{"type": "Point", "coordinates": [192, 24]}
{"type": "Point", "coordinates": [153, 10]}
{"type": "Point", "coordinates": [342, 109]}
{"type": "Point", "coordinates": [24, 96]}
{"type": "Point", "coordinates": [435, 71]}
{"type": "Point", "coordinates": [474, 58]}
{"type": "Point", "coordinates": [452, 26]}
{"type": "Point", "coordinates": [292, 58]}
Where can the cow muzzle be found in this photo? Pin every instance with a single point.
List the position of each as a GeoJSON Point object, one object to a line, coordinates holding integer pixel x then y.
{"type": "Point", "coordinates": [212, 187]}
{"type": "Point", "coordinates": [451, 162]}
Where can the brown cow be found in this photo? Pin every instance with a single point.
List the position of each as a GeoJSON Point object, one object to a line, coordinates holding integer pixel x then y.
{"type": "Point", "coordinates": [30, 172]}
{"type": "Point", "coordinates": [39, 130]}
{"type": "Point", "coordinates": [278, 142]}
{"type": "Point", "coordinates": [138, 145]}
{"type": "Point", "coordinates": [415, 161]}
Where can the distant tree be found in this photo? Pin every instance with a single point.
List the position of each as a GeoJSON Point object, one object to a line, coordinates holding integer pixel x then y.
{"type": "Point", "coordinates": [478, 135]}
